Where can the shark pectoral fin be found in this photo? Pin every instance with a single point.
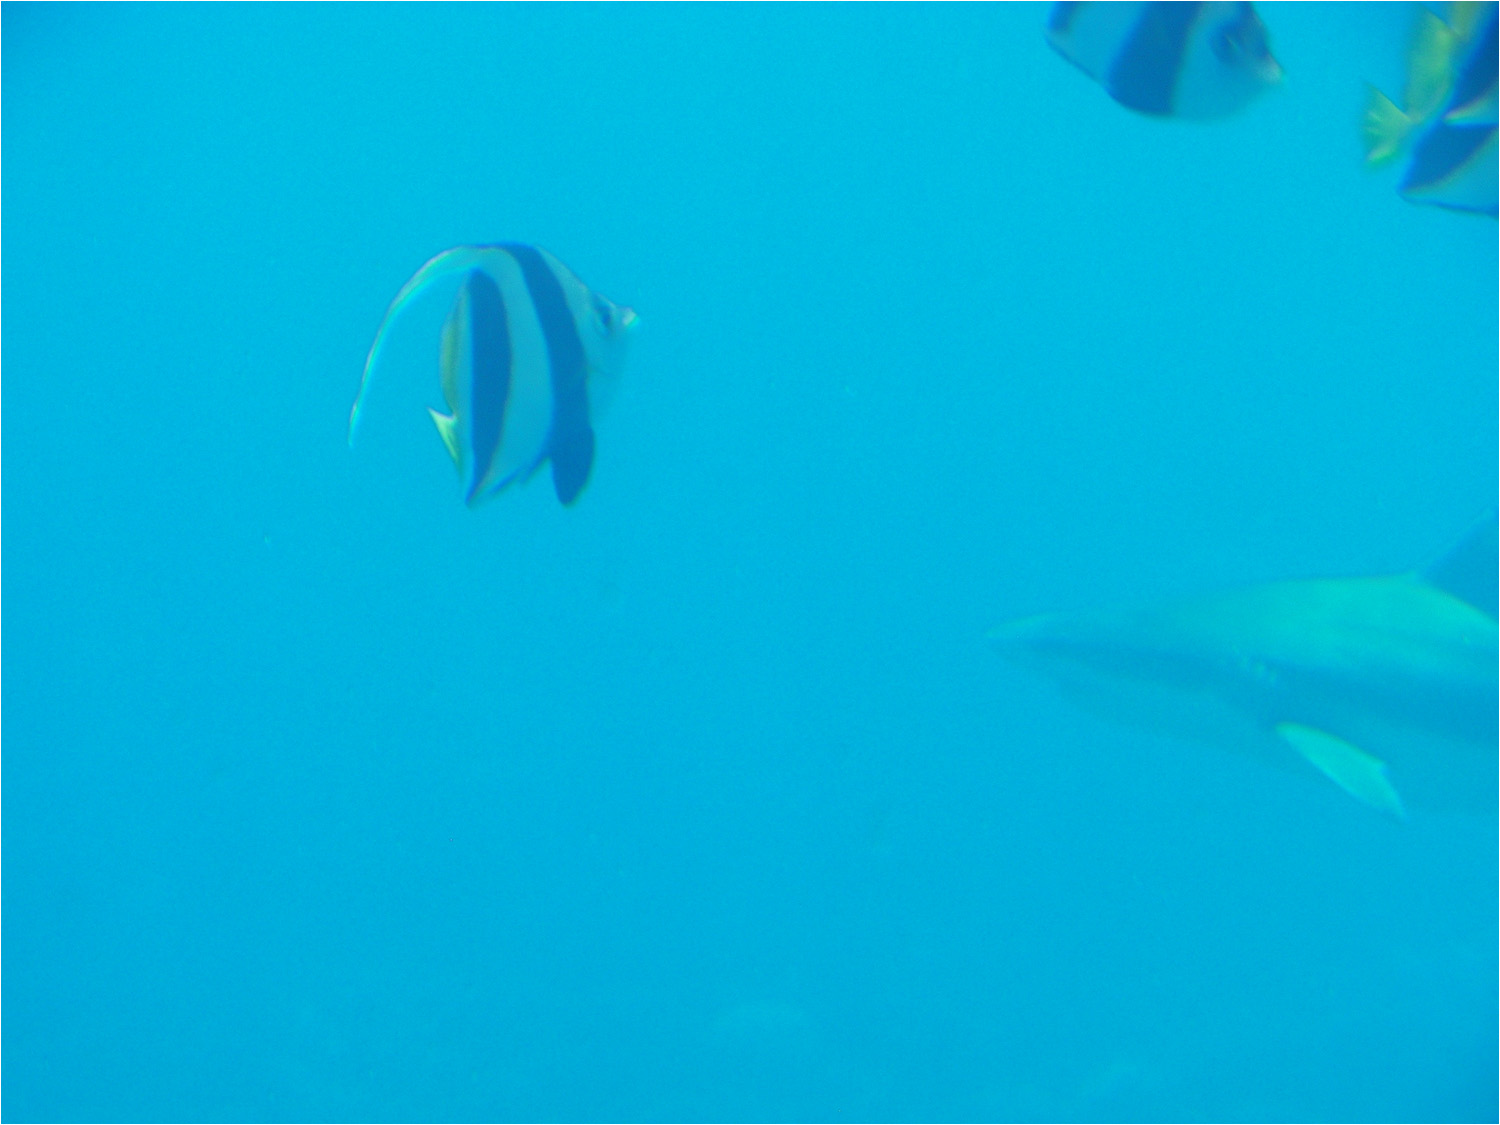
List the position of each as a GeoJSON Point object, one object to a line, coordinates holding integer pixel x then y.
{"type": "Point", "coordinates": [1358, 774]}
{"type": "Point", "coordinates": [447, 428]}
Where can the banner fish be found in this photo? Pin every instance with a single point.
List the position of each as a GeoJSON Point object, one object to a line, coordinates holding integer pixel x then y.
{"type": "Point", "coordinates": [523, 349]}
{"type": "Point", "coordinates": [1195, 61]}
{"type": "Point", "coordinates": [1447, 129]}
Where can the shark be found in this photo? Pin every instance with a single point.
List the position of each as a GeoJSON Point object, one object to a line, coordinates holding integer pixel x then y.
{"type": "Point", "coordinates": [1386, 685]}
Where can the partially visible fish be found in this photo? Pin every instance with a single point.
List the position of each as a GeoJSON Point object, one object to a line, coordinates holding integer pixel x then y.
{"type": "Point", "coordinates": [1194, 61]}
{"type": "Point", "coordinates": [1446, 130]}
{"type": "Point", "coordinates": [523, 350]}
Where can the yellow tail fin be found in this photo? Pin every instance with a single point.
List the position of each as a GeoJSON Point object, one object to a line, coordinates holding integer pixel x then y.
{"type": "Point", "coordinates": [1384, 129]}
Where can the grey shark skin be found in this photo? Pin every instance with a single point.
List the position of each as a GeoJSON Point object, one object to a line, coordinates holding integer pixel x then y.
{"type": "Point", "coordinates": [1387, 686]}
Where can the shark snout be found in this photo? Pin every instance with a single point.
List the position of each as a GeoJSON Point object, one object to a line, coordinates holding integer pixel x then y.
{"type": "Point", "coordinates": [1010, 633]}
{"type": "Point", "coordinates": [1023, 639]}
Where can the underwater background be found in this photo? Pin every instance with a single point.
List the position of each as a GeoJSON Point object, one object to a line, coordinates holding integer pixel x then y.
{"type": "Point", "coordinates": [327, 798]}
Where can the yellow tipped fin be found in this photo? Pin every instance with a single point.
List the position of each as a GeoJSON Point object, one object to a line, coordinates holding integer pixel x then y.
{"type": "Point", "coordinates": [1358, 774]}
{"type": "Point", "coordinates": [447, 428]}
{"type": "Point", "coordinates": [1384, 129]}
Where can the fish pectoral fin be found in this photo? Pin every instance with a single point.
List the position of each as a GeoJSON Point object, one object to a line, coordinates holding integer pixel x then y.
{"type": "Point", "coordinates": [447, 427]}
{"type": "Point", "coordinates": [1384, 129]}
{"type": "Point", "coordinates": [1357, 773]}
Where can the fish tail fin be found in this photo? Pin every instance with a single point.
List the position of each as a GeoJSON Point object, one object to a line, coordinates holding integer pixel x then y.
{"type": "Point", "coordinates": [447, 428]}
{"type": "Point", "coordinates": [1384, 129]}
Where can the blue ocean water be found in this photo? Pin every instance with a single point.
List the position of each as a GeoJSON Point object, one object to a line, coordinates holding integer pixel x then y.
{"type": "Point", "coordinates": [327, 798]}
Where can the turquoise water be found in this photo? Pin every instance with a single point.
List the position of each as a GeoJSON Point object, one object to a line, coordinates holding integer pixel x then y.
{"type": "Point", "coordinates": [327, 798]}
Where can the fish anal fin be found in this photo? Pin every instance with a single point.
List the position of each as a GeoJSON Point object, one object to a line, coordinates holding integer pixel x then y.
{"type": "Point", "coordinates": [1357, 773]}
{"type": "Point", "coordinates": [1384, 129]}
{"type": "Point", "coordinates": [447, 428]}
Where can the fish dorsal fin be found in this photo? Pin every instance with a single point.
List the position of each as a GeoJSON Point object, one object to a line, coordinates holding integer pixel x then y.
{"type": "Point", "coordinates": [1358, 774]}
{"type": "Point", "coordinates": [1469, 571]}
{"type": "Point", "coordinates": [459, 259]}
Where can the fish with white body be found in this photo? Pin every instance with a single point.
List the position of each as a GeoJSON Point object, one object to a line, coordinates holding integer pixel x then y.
{"type": "Point", "coordinates": [1386, 685]}
{"type": "Point", "coordinates": [524, 353]}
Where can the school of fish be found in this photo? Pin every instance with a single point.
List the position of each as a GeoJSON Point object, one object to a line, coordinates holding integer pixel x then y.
{"type": "Point", "coordinates": [1344, 676]}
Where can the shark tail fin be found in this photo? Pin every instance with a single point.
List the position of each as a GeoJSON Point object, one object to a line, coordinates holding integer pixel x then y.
{"type": "Point", "coordinates": [1358, 774]}
{"type": "Point", "coordinates": [1469, 571]}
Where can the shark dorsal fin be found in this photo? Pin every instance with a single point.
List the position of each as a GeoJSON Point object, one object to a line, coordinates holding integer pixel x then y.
{"type": "Point", "coordinates": [1469, 571]}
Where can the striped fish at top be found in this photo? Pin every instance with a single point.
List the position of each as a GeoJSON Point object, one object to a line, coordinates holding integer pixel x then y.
{"type": "Point", "coordinates": [1195, 61]}
{"type": "Point", "coordinates": [526, 350]}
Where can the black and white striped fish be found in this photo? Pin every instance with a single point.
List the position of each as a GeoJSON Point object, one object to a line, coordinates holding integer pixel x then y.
{"type": "Point", "coordinates": [524, 351]}
{"type": "Point", "coordinates": [1195, 61]}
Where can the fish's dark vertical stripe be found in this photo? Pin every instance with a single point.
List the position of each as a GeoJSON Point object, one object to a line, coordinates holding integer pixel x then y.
{"type": "Point", "coordinates": [1144, 76]}
{"type": "Point", "coordinates": [1060, 19]}
{"type": "Point", "coordinates": [571, 444]}
{"type": "Point", "coordinates": [489, 375]}
{"type": "Point", "coordinates": [1480, 69]}
{"type": "Point", "coordinates": [1442, 153]}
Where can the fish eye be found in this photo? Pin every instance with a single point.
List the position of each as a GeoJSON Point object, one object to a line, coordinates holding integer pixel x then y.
{"type": "Point", "coordinates": [1252, 41]}
{"type": "Point", "coordinates": [1240, 39]}
{"type": "Point", "coordinates": [1226, 44]}
{"type": "Point", "coordinates": [603, 311]}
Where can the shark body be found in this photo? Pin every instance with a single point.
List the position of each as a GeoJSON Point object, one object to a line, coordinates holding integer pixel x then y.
{"type": "Point", "coordinates": [1385, 685]}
